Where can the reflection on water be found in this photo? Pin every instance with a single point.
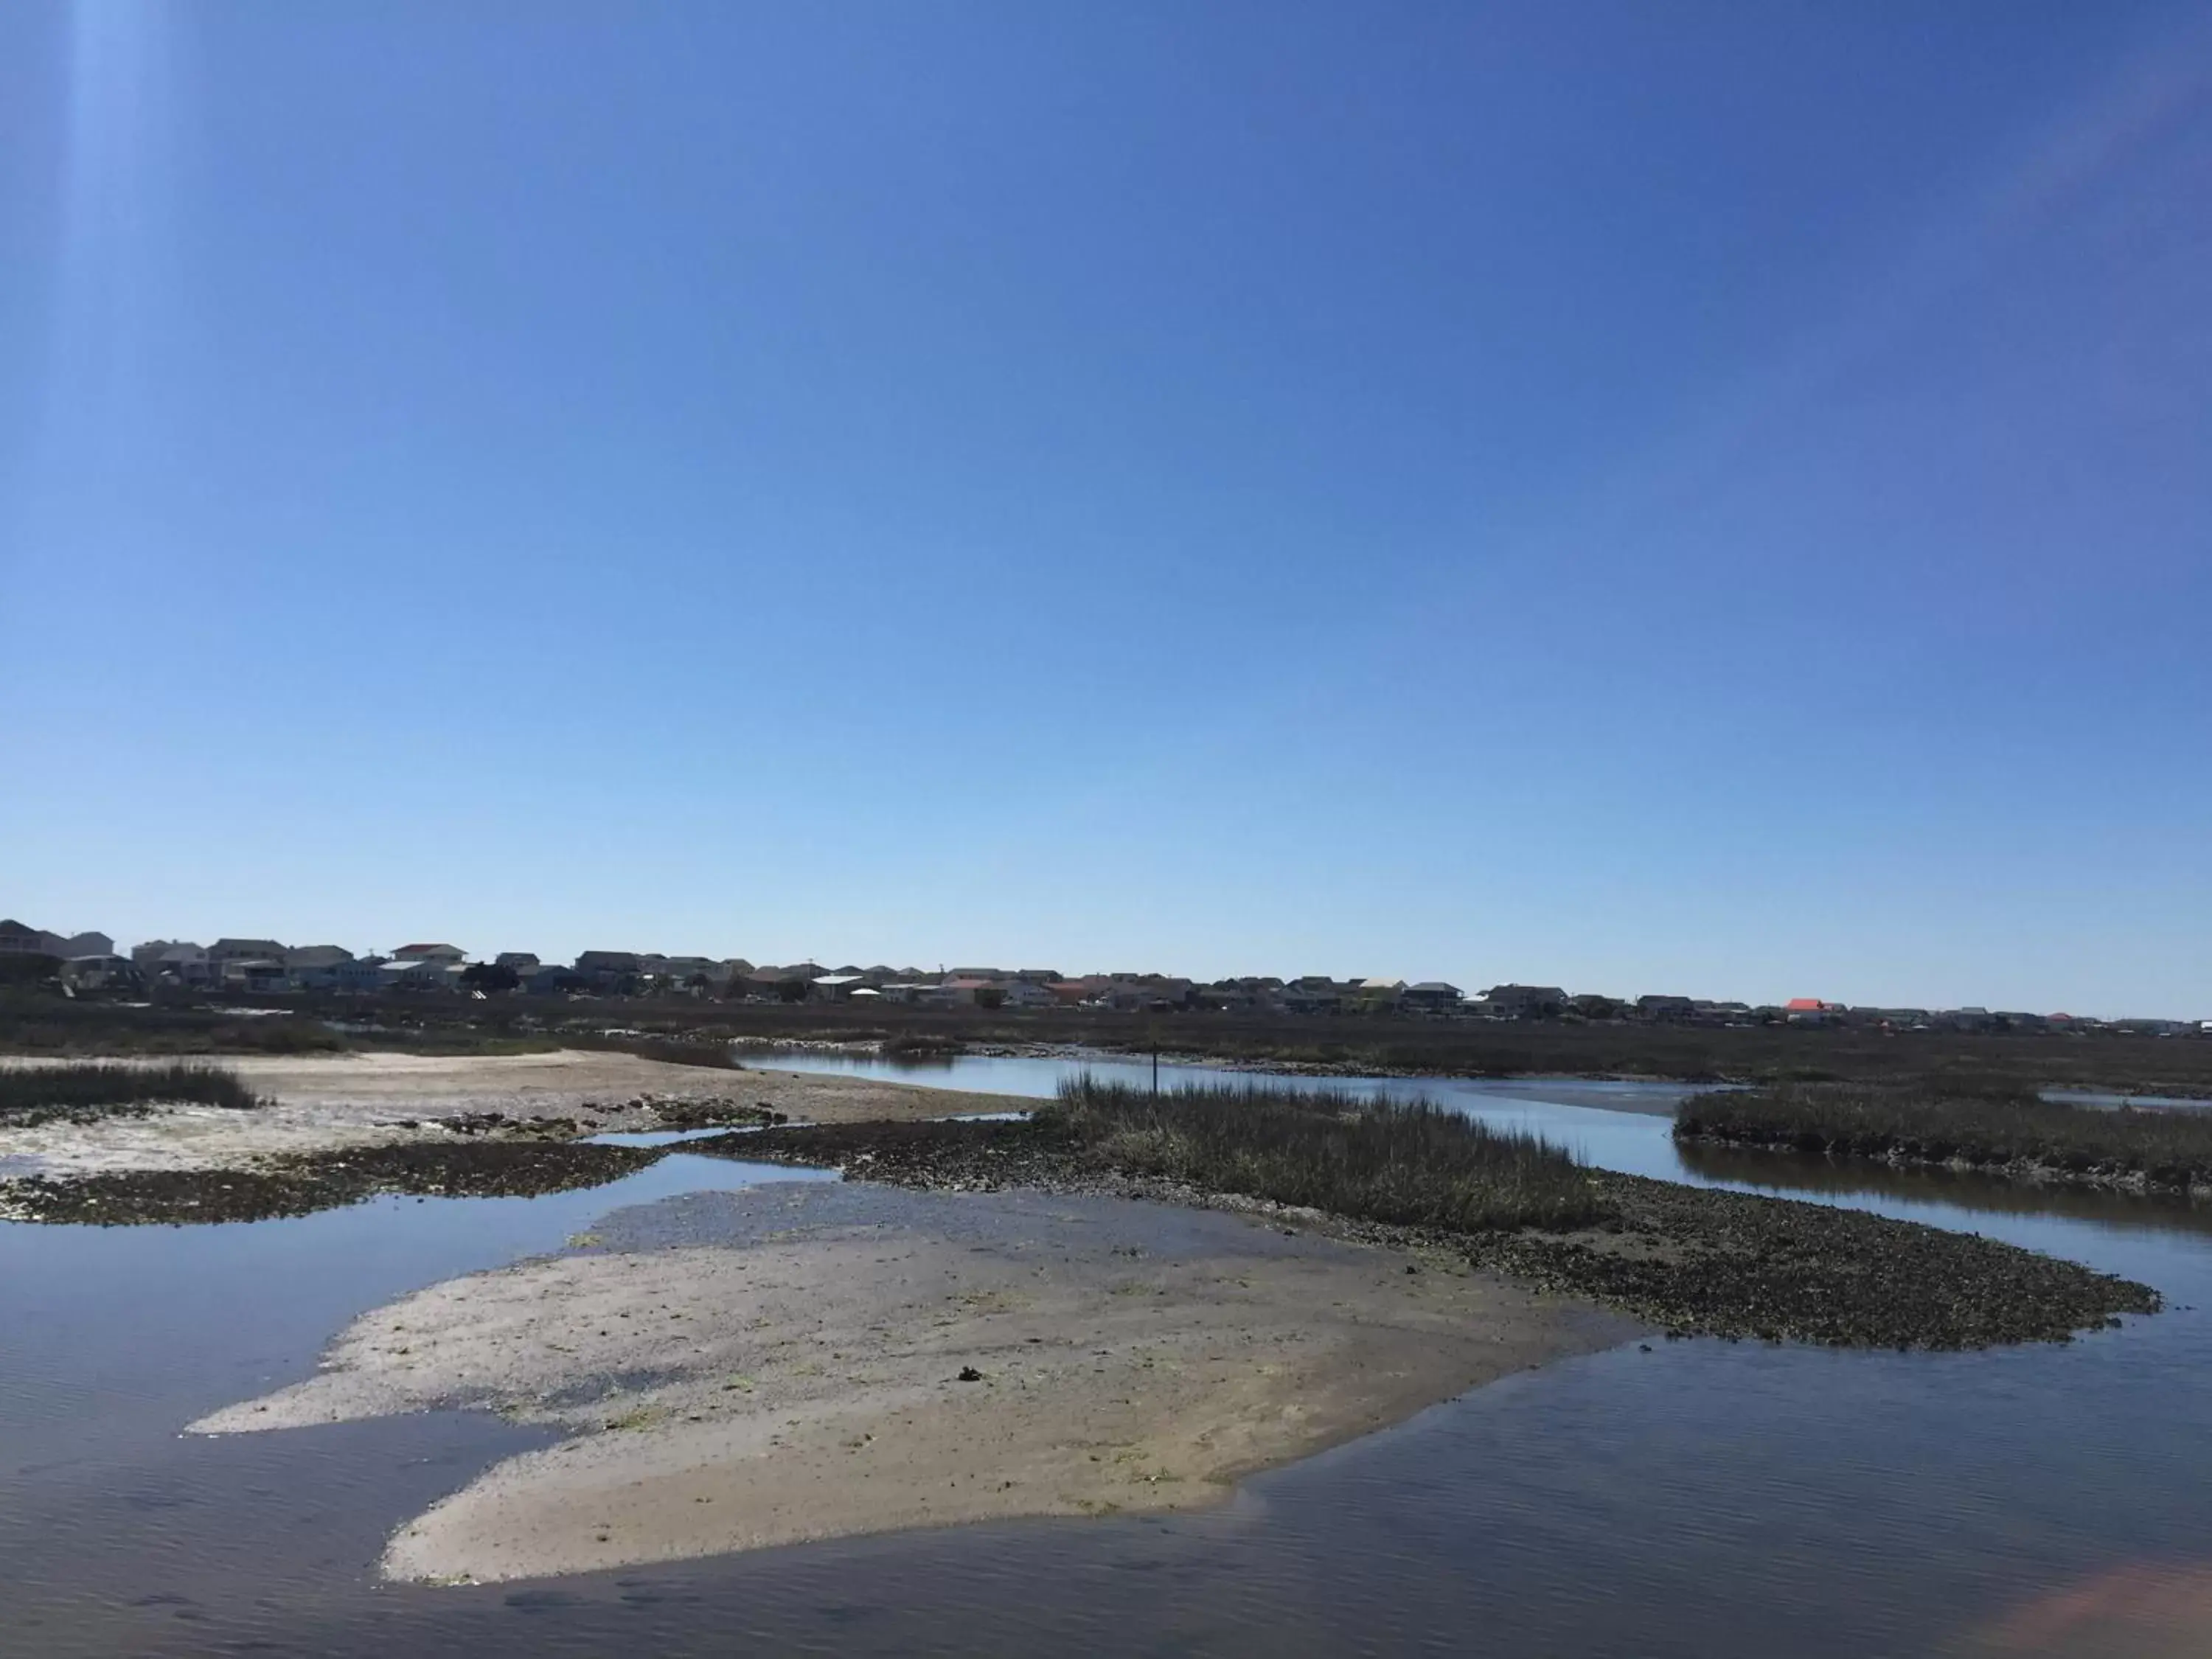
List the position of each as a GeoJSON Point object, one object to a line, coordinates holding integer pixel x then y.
{"type": "Point", "coordinates": [1039, 1076]}
{"type": "Point", "coordinates": [1797, 1174]}
{"type": "Point", "coordinates": [1699, 1499]}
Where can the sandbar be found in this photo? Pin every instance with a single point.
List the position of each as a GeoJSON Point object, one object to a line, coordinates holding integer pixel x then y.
{"type": "Point", "coordinates": [736, 1371]}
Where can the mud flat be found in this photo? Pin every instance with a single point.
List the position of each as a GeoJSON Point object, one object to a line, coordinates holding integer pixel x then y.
{"type": "Point", "coordinates": [323, 1105]}
{"type": "Point", "coordinates": [740, 1369]}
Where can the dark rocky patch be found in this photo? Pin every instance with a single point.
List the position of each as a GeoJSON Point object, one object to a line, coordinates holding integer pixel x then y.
{"type": "Point", "coordinates": [717, 1112]}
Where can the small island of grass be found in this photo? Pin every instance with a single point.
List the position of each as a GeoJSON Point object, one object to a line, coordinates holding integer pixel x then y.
{"type": "Point", "coordinates": [2002, 1130]}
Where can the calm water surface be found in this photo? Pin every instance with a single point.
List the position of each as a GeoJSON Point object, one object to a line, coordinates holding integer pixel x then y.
{"type": "Point", "coordinates": [1700, 1498]}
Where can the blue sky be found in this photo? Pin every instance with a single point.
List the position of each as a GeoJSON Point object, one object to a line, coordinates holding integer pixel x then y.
{"type": "Point", "coordinates": [1699, 498]}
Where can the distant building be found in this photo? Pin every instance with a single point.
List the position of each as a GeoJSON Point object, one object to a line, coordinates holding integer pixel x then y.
{"type": "Point", "coordinates": [415, 974]}
{"type": "Point", "coordinates": [524, 962]}
{"type": "Point", "coordinates": [609, 970]}
{"type": "Point", "coordinates": [973, 990]}
{"type": "Point", "coordinates": [1314, 994]}
{"type": "Point", "coordinates": [17, 940]}
{"type": "Point", "coordinates": [1666, 1008]}
{"type": "Point", "coordinates": [1433, 996]}
{"type": "Point", "coordinates": [1073, 993]}
{"type": "Point", "coordinates": [178, 963]}
{"type": "Point", "coordinates": [835, 988]}
{"type": "Point", "coordinates": [1811, 1011]}
{"type": "Point", "coordinates": [1523, 1002]}
{"type": "Point", "coordinates": [315, 967]}
{"type": "Point", "coordinates": [430, 953]}
{"type": "Point", "coordinates": [246, 964]}
{"type": "Point", "coordinates": [1378, 996]}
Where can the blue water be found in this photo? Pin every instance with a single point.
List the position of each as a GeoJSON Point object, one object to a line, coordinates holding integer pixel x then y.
{"type": "Point", "coordinates": [1039, 1078]}
{"type": "Point", "coordinates": [1698, 1498]}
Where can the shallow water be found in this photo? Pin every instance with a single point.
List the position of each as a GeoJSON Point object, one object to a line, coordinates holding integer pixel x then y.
{"type": "Point", "coordinates": [1699, 1499]}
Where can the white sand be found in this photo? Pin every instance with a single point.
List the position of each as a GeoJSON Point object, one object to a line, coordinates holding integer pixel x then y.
{"type": "Point", "coordinates": [808, 1386]}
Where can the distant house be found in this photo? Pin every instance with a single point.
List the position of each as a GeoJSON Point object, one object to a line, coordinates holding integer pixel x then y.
{"type": "Point", "coordinates": [1663, 1007]}
{"type": "Point", "coordinates": [1148, 993]}
{"type": "Point", "coordinates": [258, 974]}
{"type": "Point", "coordinates": [608, 970]}
{"type": "Point", "coordinates": [413, 974]}
{"type": "Point", "coordinates": [694, 973]}
{"type": "Point", "coordinates": [1316, 993]}
{"type": "Point", "coordinates": [315, 967]}
{"type": "Point", "coordinates": [1523, 1002]}
{"type": "Point", "coordinates": [430, 953]}
{"type": "Point", "coordinates": [552, 979]}
{"type": "Point", "coordinates": [1433, 996]}
{"type": "Point", "coordinates": [524, 962]}
{"type": "Point", "coordinates": [1378, 996]}
{"type": "Point", "coordinates": [972, 990]}
{"type": "Point", "coordinates": [835, 988]}
{"type": "Point", "coordinates": [1029, 994]}
{"type": "Point", "coordinates": [17, 940]}
{"type": "Point", "coordinates": [359, 977]}
{"type": "Point", "coordinates": [179, 962]}
{"type": "Point", "coordinates": [1811, 1011]}
{"type": "Point", "coordinates": [229, 958]}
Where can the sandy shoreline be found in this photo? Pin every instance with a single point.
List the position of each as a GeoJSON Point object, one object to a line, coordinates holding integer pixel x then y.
{"type": "Point", "coordinates": [324, 1102]}
{"type": "Point", "coordinates": [795, 1363]}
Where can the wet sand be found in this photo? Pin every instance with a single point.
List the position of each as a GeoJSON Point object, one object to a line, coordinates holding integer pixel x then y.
{"type": "Point", "coordinates": [325, 1103]}
{"type": "Point", "coordinates": [745, 1369]}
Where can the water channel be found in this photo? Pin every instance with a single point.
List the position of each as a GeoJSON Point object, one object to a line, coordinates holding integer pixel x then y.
{"type": "Point", "coordinates": [1695, 1498]}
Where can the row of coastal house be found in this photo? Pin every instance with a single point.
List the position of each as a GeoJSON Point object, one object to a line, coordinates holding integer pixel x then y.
{"type": "Point", "coordinates": [89, 962]}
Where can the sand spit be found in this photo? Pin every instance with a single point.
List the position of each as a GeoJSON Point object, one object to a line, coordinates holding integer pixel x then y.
{"type": "Point", "coordinates": [797, 1362]}
{"type": "Point", "coordinates": [323, 1102]}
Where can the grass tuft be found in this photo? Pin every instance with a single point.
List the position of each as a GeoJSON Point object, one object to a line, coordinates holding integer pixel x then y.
{"type": "Point", "coordinates": [1406, 1162]}
{"type": "Point", "coordinates": [31, 1095]}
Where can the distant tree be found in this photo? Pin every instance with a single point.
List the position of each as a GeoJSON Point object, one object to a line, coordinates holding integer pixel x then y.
{"type": "Point", "coordinates": [489, 976]}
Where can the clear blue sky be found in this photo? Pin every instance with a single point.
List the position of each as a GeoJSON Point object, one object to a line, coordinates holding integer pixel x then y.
{"type": "Point", "coordinates": [1701, 498]}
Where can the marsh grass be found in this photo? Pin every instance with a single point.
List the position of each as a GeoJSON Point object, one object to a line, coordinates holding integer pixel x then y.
{"type": "Point", "coordinates": [31, 1095]}
{"type": "Point", "coordinates": [1406, 1161]}
{"type": "Point", "coordinates": [1939, 1123]}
